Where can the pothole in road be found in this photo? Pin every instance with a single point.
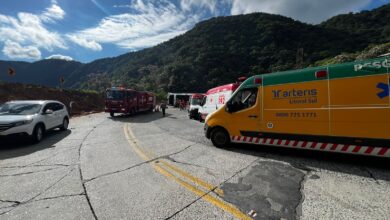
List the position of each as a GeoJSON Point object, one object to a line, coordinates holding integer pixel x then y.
{"type": "Point", "coordinates": [271, 189]}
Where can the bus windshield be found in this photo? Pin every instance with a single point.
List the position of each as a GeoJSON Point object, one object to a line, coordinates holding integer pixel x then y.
{"type": "Point", "coordinates": [115, 94]}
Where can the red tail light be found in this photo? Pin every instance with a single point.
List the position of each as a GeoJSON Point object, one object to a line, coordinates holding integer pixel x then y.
{"type": "Point", "coordinates": [258, 80]}
{"type": "Point", "coordinates": [321, 74]}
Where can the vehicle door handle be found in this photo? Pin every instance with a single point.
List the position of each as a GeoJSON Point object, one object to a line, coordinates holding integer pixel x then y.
{"type": "Point", "coordinates": [253, 116]}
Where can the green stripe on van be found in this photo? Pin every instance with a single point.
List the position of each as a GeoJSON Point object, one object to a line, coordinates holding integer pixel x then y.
{"type": "Point", "coordinates": [360, 68]}
{"type": "Point", "coordinates": [352, 69]}
{"type": "Point", "coordinates": [303, 75]}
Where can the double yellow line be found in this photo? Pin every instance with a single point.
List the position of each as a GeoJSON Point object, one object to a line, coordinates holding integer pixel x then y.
{"type": "Point", "coordinates": [188, 181]}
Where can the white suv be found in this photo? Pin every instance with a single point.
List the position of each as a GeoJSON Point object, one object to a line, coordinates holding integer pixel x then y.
{"type": "Point", "coordinates": [33, 118]}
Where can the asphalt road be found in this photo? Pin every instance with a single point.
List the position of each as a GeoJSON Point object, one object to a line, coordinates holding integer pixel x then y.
{"type": "Point", "coordinates": [150, 167]}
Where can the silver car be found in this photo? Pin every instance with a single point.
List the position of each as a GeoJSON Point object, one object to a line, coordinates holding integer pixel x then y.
{"type": "Point", "coordinates": [32, 118]}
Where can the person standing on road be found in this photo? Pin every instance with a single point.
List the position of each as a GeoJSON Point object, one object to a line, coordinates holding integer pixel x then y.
{"type": "Point", "coordinates": [180, 104]}
{"type": "Point", "coordinates": [163, 106]}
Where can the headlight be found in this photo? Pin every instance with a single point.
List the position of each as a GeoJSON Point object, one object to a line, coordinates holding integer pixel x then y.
{"type": "Point", "coordinates": [20, 123]}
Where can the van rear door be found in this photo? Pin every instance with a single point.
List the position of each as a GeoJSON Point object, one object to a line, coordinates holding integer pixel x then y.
{"type": "Point", "coordinates": [359, 99]}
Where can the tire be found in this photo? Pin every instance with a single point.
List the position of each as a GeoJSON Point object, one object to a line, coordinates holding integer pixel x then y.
{"type": "Point", "coordinates": [65, 124]}
{"type": "Point", "coordinates": [112, 114]}
{"type": "Point", "coordinates": [38, 133]}
{"type": "Point", "coordinates": [220, 137]}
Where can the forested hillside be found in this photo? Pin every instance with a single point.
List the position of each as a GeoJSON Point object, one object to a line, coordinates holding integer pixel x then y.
{"type": "Point", "coordinates": [218, 51]}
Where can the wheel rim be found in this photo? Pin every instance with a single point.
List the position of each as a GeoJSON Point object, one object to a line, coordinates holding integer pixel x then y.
{"type": "Point", "coordinates": [39, 133]}
{"type": "Point", "coordinates": [220, 138]}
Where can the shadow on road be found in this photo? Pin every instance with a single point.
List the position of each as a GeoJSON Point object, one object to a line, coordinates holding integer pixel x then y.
{"type": "Point", "coordinates": [308, 160]}
{"type": "Point", "coordinates": [11, 147]}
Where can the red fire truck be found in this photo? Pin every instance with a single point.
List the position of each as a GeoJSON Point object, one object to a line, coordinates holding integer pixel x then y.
{"type": "Point", "coordinates": [128, 101]}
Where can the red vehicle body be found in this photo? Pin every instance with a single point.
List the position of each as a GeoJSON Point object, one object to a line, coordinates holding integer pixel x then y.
{"type": "Point", "coordinates": [128, 101]}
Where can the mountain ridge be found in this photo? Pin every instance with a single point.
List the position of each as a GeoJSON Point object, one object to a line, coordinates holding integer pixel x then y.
{"type": "Point", "coordinates": [218, 51]}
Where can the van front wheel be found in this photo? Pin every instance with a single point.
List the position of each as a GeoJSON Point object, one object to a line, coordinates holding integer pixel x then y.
{"type": "Point", "coordinates": [220, 138]}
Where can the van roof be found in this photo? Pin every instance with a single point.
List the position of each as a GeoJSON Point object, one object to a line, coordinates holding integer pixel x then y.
{"type": "Point", "coordinates": [228, 87]}
{"type": "Point", "coordinates": [197, 95]}
{"type": "Point", "coordinates": [344, 70]}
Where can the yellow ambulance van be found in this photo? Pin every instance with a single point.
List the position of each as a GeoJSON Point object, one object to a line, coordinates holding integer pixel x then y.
{"type": "Point", "coordinates": [339, 108]}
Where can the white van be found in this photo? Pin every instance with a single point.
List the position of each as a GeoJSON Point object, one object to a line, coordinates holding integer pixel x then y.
{"type": "Point", "coordinates": [216, 98]}
{"type": "Point", "coordinates": [195, 105]}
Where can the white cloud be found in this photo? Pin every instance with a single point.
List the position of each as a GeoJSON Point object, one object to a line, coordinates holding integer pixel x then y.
{"type": "Point", "coordinates": [84, 42]}
{"type": "Point", "coordinates": [187, 5]}
{"type": "Point", "coordinates": [121, 6]}
{"type": "Point", "coordinates": [54, 12]}
{"type": "Point", "coordinates": [136, 44]}
{"type": "Point", "coordinates": [60, 57]}
{"type": "Point", "coordinates": [28, 31]}
{"type": "Point", "coordinates": [311, 11]}
{"type": "Point", "coordinates": [15, 50]}
{"type": "Point", "coordinates": [150, 24]}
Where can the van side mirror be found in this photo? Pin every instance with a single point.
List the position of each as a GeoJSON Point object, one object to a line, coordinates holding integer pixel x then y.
{"type": "Point", "coordinates": [229, 107]}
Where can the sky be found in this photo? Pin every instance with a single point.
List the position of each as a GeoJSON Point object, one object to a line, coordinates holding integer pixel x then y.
{"type": "Point", "coordinates": [85, 30]}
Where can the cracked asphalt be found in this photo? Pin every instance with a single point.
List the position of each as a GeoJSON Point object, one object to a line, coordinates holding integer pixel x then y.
{"type": "Point", "coordinates": [150, 167]}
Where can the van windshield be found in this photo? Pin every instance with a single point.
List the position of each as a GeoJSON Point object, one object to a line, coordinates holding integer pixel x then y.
{"type": "Point", "coordinates": [115, 94]}
{"type": "Point", "coordinates": [196, 101]}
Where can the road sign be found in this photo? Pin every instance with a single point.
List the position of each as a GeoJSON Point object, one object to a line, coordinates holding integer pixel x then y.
{"type": "Point", "coordinates": [11, 71]}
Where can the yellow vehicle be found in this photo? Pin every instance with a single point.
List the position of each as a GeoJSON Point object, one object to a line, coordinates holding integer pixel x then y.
{"type": "Point", "coordinates": [342, 108]}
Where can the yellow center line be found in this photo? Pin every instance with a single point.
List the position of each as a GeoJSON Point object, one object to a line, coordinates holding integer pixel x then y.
{"type": "Point", "coordinates": [204, 195]}
{"type": "Point", "coordinates": [216, 202]}
{"type": "Point", "coordinates": [147, 155]}
{"type": "Point", "coordinates": [194, 179]}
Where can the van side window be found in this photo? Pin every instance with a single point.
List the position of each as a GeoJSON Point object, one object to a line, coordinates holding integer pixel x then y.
{"type": "Point", "coordinates": [244, 99]}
